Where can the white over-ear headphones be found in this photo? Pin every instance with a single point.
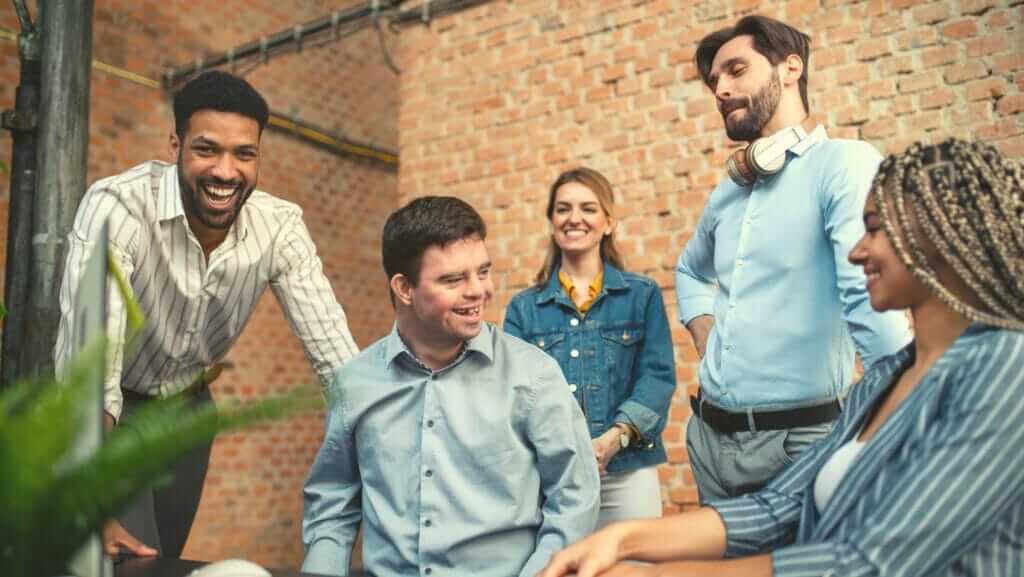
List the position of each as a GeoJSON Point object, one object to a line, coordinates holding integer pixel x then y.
{"type": "Point", "coordinates": [763, 157]}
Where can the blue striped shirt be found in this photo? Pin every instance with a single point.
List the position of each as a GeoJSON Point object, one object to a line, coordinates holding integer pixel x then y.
{"type": "Point", "coordinates": [938, 491]}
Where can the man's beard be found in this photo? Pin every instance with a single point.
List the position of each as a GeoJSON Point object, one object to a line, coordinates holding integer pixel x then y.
{"type": "Point", "coordinates": [194, 208]}
{"type": "Point", "coordinates": [759, 111]}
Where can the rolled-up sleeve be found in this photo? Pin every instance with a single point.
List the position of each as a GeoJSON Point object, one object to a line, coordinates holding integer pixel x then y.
{"type": "Point", "coordinates": [695, 274]}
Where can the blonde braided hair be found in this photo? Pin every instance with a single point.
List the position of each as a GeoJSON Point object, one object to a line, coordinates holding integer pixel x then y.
{"type": "Point", "coordinates": [969, 203]}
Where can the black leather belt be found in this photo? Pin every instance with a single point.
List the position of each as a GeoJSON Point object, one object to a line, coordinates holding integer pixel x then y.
{"type": "Point", "coordinates": [728, 422]}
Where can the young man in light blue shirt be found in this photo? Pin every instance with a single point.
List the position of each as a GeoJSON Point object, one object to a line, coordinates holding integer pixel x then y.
{"type": "Point", "coordinates": [764, 286]}
{"type": "Point", "coordinates": [459, 448]}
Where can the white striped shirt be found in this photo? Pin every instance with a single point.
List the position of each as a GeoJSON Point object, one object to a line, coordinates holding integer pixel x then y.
{"type": "Point", "coordinates": [195, 310]}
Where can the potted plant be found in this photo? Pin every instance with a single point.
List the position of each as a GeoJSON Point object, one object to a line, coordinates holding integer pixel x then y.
{"type": "Point", "coordinates": [49, 506]}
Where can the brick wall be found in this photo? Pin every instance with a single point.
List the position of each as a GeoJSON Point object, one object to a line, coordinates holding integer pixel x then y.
{"type": "Point", "coordinates": [252, 503]}
{"type": "Point", "coordinates": [494, 102]}
{"type": "Point", "coordinates": [497, 100]}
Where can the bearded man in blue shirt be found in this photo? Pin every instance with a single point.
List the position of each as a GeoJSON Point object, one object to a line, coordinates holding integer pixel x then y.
{"type": "Point", "coordinates": [459, 448]}
{"type": "Point", "coordinates": [775, 310]}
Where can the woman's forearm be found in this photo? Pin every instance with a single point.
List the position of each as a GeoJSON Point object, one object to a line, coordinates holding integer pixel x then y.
{"type": "Point", "coordinates": [693, 535]}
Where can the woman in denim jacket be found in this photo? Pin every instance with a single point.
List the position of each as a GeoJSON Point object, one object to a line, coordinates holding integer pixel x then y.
{"type": "Point", "coordinates": [608, 330]}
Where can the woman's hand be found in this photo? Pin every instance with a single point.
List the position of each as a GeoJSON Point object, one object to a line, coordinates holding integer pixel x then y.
{"type": "Point", "coordinates": [606, 446]}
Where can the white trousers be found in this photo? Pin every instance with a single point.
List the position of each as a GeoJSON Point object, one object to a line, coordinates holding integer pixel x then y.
{"type": "Point", "coordinates": [630, 495]}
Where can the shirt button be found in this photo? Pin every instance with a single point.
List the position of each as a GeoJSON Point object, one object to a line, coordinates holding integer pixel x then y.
{"type": "Point", "coordinates": [429, 473]}
{"type": "Point", "coordinates": [574, 353]}
{"type": "Point", "coordinates": [427, 523]}
{"type": "Point", "coordinates": [428, 571]}
{"type": "Point", "coordinates": [574, 321]}
{"type": "Point", "coordinates": [430, 423]}
{"type": "Point", "coordinates": [739, 262]}
{"type": "Point", "coordinates": [572, 388]}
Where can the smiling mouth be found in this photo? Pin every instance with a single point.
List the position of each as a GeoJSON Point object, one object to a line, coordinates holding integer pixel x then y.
{"type": "Point", "coordinates": [473, 311]}
{"type": "Point", "coordinates": [575, 233]}
{"type": "Point", "coordinates": [219, 196]}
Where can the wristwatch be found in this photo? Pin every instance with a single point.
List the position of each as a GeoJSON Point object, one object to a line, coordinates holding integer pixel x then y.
{"type": "Point", "coordinates": [624, 436]}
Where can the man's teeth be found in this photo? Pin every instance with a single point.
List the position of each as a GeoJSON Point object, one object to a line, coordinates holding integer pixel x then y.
{"type": "Point", "coordinates": [220, 192]}
{"type": "Point", "coordinates": [472, 311]}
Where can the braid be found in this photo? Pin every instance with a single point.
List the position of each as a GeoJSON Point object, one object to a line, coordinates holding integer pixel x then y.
{"type": "Point", "coordinates": [969, 204]}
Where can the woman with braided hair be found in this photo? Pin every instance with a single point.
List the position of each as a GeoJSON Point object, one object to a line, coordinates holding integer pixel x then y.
{"type": "Point", "coordinates": [923, 474]}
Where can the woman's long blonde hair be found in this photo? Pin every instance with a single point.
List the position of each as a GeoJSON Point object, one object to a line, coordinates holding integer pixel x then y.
{"type": "Point", "coordinates": [602, 189]}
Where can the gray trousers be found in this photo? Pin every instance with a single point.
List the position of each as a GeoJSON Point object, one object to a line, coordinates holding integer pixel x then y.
{"type": "Point", "coordinates": [732, 464]}
{"type": "Point", "coordinates": [162, 517]}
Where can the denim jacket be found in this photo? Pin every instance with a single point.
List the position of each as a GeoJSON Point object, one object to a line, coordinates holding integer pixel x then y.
{"type": "Point", "coordinates": [617, 358]}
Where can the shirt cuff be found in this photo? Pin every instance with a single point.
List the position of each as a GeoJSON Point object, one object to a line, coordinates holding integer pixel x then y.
{"type": "Point", "coordinates": [643, 419]}
{"type": "Point", "coordinates": [326, 557]}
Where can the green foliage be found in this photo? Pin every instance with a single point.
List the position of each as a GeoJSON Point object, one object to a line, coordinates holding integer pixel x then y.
{"type": "Point", "coordinates": [51, 506]}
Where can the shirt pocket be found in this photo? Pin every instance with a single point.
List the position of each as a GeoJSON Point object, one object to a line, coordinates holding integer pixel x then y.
{"type": "Point", "coordinates": [621, 346]}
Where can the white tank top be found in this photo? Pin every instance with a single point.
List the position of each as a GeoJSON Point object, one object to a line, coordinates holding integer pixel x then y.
{"type": "Point", "coordinates": [834, 470]}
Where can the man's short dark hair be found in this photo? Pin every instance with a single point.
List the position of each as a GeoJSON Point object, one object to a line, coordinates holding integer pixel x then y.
{"type": "Point", "coordinates": [218, 90]}
{"type": "Point", "coordinates": [425, 222]}
{"type": "Point", "coordinates": [772, 39]}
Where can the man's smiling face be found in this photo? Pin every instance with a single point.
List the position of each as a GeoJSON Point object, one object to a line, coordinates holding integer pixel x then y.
{"type": "Point", "coordinates": [218, 165]}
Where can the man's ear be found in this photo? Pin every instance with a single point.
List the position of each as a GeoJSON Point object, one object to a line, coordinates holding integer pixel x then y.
{"type": "Point", "coordinates": [175, 145]}
{"type": "Point", "coordinates": [402, 289]}
{"type": "Point", "coordinates": [793, 69]}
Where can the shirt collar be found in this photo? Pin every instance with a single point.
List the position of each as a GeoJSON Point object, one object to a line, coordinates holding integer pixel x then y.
{"type": "Point", "coordinates": [482, 343]}
{"type": "Point", "coordinates": [613, 281]}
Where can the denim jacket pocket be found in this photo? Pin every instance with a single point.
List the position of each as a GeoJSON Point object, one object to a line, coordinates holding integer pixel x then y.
{"type": "Point", "coordinates": [620, 350]}
{"type": "Point", "coordinates": [548, 342]}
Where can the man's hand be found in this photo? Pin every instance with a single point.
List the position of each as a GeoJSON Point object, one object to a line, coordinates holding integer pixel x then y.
{"type": "Point", "coordinates": [700, 327]}
{"type": "Point", "coordinates": [116, 539]}
{"type": "Point", "coordinates": [606, 446]}
{"type": "Point", "coordinates": [588, 558]}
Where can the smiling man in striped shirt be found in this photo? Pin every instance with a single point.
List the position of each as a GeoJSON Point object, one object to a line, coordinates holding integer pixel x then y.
{"type": "Point", "coordinates": [199, 245]}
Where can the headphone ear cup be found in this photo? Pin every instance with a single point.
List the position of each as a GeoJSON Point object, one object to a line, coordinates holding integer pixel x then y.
{"type": "Point", "coordinates": [740, 168]}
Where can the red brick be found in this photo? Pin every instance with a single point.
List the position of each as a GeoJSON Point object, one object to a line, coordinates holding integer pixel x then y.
{"type": "Point", "coordinates": [964, 28]}
{"type": "Point", "coordinates": [985, 88]}
{"type": "Point", "coordinates": [937, 99]}
{"type": "Point", "coordinates": [1013, 104]}
{"type": "Point", "coordinates": [873, 49]}
{"type": "Point", "coordinates": [933, 57]}
{"type": "Point", "coordinates": [931, 13]}
{"type": "Point", "coordinates": [963, 72]}
{"type": "Point", "coordinates": [989, 44]}
{"type": "Point", "coordinates": [918, 82]}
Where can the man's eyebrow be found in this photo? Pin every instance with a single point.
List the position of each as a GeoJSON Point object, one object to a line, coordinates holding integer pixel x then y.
{"type": "Point", "coordinates": [713, 77]}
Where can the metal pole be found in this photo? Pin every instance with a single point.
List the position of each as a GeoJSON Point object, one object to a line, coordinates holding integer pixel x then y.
{"type": "Point", "coordinates": [60, 180]}
{"type": "Point", "coordinates": [22, 122]}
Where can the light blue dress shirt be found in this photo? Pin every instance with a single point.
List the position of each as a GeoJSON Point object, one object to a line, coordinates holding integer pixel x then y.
{"type": "Point", "coordinates": [787, 301]}
{"type": "Point", "coordinates": [483, 468]}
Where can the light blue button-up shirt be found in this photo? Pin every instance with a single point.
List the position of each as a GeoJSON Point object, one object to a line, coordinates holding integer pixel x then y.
{"type": "Point", "coordinates": [787, 301]}
{"type": "Point", "coordinates": [483, 468]}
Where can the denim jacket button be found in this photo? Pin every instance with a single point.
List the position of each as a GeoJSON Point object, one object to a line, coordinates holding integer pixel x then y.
{"type": "Point", "coordinates": [574, 322]}
{"type": "Point", "coordinates": [572, 388]}
{"type": "Point", "coordinates": [574, 353]}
